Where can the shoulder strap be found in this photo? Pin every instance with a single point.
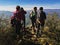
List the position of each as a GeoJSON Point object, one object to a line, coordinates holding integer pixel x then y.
{"type": "Point", "coordinates": [33, 13]}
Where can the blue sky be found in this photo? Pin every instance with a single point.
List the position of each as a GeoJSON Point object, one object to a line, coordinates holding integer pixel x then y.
{"type": "Point", "coordinates": [29, 4]}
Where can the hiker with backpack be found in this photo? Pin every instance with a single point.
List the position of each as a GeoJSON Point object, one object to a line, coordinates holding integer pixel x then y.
{"type": "Point", "coordinates": [42, 19]}
{"type": "Point", "coordinates": [23, 16]}
{"type": "Point", "coordinates": [16, 21]}
{"type": "Point", "coordinates": [33, 17]}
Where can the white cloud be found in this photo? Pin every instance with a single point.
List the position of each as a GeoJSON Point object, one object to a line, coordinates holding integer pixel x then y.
{"type": "Point", "coordinates": [7, 8]}
{"type": "Point", "coordinates": [52, 6]}
{"type": "Point", "coordinates": [29, 7]}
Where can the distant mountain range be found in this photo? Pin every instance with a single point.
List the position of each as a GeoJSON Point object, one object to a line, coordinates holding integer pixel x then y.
{"type": "Point", "coordinates": [51, 11]}
{"type": "Point", "coordinates": [8, 14]}
{"type": "Point", "coordinates": [48, 11]}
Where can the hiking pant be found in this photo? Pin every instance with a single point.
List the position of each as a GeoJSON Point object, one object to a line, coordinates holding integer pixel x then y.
{"type": "Point", "coordinates": [40, 25]}
{"type": "Point", "coordinates": [38, 30]}
{"type": "Point", "coordinates": [33, 22]}
{"type": "Point", "coordinates": [18, 27]}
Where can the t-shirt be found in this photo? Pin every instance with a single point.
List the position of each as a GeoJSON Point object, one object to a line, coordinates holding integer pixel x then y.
{"type": "Point", "coordinates": [42, 16]}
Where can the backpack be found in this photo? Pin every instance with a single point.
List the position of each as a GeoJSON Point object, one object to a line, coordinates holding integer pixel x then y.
{"type": "Point", "coordinates": [13, 21]}
{"type": "Point", "coordinates": [32, 15]}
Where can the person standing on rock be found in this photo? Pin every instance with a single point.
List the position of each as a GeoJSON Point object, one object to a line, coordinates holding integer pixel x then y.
{"type": "Point", "coordinates": [17, 17]}
{"type": "Point", "coordinates": [42, 19]}
{"type": "Point", "coordinates": [33, 17]}
{"type": "Point", "coordinates": [23, 16]}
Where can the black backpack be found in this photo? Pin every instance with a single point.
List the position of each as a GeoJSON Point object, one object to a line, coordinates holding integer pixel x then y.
{"type": "Point", "coordinates": [13, 22]}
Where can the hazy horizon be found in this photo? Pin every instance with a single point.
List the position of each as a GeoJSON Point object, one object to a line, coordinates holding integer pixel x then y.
{"type": "Point", "coordinates": [10, 5]}
{"type": "Point", "coordinates": [30, 9]}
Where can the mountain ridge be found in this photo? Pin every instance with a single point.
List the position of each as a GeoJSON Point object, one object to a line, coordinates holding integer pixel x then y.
{"type": "Point", "coordinates": [51, 11]}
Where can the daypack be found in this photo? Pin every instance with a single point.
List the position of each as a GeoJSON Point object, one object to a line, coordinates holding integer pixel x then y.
{"type": "Point", "coordinates": [15, 18]}
{"type": "Point", "coordinates": [32, 15]}
{"type": "Point", "coordinates": [13, 21]}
